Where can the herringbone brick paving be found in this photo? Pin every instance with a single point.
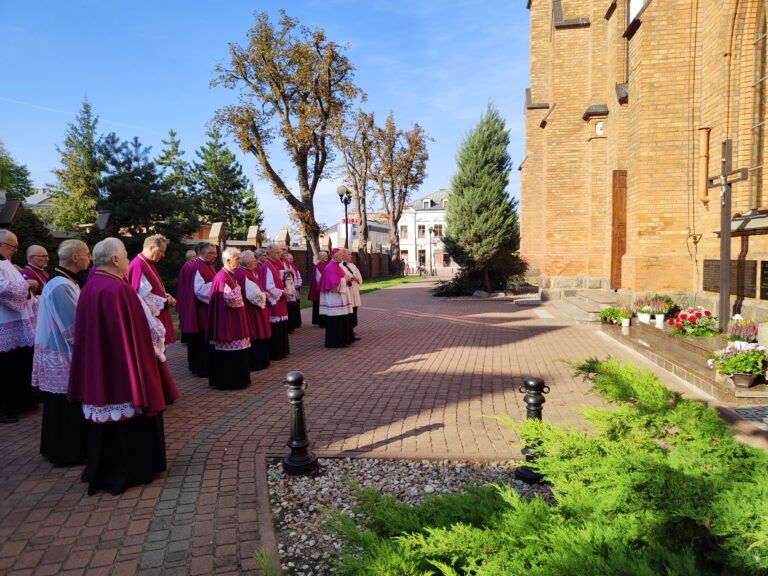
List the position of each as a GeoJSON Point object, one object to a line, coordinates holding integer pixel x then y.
{"type": "Point", "coordinates": [419, 384]}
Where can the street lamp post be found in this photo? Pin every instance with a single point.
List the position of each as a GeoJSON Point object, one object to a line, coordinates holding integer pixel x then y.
{"type": "Point", "coordinates": [431, 261]}
{"type": "Point", "coordinates": [345, 195]}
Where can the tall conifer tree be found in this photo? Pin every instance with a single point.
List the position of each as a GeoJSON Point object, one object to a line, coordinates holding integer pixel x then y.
{"type": "Point", "coordinates": [481, 219]}
{"type": "Point", "coordinates": [76, 192]}
{"type": "Point", "coordinates": [222, 189]}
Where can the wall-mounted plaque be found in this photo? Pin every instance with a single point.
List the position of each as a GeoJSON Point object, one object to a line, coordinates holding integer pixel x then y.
{"type": "Point", "coordinates": [743, 277]}
{"type": "Point", "coordinates": [764, 280]}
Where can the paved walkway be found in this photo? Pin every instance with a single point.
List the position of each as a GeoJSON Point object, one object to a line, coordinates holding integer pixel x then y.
{"type": "Point", "coordinates": [418, 385]}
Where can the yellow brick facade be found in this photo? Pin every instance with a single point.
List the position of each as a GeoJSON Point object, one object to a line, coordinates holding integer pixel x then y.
{"type": "Point", "coordinates": [612, 97]}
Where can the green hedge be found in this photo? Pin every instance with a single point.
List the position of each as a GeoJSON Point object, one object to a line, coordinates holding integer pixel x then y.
{"type": "Point", "coordinates": [658, 487]}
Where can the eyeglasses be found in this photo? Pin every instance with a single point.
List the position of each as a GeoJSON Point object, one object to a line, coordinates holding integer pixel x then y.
{"type": "Point", "coordinates": [11, 246]}
{"type": "Point", "coordinates": [39, 256]}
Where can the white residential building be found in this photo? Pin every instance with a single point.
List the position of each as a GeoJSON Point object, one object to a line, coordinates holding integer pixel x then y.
{"type": "Point", "coordinates": [378, 234]}
{"type": "Point", "coordinates": [422, 227]}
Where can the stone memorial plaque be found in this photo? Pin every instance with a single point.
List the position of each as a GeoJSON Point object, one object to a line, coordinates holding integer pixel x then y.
{"type": "Point", "coordinates": [764, 280]}
{"type": "Point", "coordinates": [743, 277]}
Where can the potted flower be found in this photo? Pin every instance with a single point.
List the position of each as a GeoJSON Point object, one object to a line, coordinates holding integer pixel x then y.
{"type": "Point", "coordinates": [693, 322]}
{"type": "Point", "coordinates": [624, 314]}
{"type": "Point", "coordinates": [643, 309]}
{"type": "Point", "coordinates": [742, 330]}
{"type": "Point", "coordinates": [741, 361]}
{"type": "Point", "coordinates": [659, 309]}
{"type": "Point", "coordinates": [609, 315]}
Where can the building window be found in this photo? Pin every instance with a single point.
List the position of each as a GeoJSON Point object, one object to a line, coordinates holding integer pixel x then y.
{"type": "Point", "coordinates": [446, 260]}
{"type": "Point", "coordinates": [422, 257]}
{"type": "Point", "coordinates": [757, 135]}
{"type": "Point", "coordinates": [403, 232]}
{"type": "Point", "coordinates": [426, 204]}
{"type": "Point", "coordinates": [422, 231]}
{"type": "Point", "coordinates": [634, 8]}
{"type": "Point", "coordinates": [438, 229]}
{"type": "Point", "coordinates": [445, 203]}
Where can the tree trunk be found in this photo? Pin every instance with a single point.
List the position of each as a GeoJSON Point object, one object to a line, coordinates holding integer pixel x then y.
{"type": "Point", "coordinates": [363, 260]}
{"type": "Point", "coordinates": [487, 280]}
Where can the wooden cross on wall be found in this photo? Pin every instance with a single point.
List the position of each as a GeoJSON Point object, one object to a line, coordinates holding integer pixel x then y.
{"type": "Point", "coordinates": [725, 180]}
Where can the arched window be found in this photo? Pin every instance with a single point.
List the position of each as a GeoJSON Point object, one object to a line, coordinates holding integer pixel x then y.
{"type": "Point", "coordinates": [757, 128]}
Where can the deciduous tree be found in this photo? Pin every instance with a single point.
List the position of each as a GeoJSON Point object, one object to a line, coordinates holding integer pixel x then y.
{"type": "Point", "coordinates": [14, 177]}
{"type": "Point", "coordinates": [294, 85]}
{"type": "Point", "coordinates": [356, 140]}
{"type": "Point", "coordinates": [400, 168]}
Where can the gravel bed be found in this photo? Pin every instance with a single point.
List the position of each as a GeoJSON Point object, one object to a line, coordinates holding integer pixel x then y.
{"type": "Point", "coordinates": [306, 549]}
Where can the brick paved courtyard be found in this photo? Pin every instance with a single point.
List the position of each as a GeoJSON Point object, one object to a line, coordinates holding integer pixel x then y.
{"type": "Point", "coordinates": [418, 385]}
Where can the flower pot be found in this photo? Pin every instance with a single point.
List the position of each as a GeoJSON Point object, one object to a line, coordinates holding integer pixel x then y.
{"type": "Point", "coordinates": [659, 321]}
{"type": "Point", "coordinates": [742, 380]}
{"type": "Point", "coordinates": [644, 317]}
{"type": "Point", "coordinates": [625, 322]}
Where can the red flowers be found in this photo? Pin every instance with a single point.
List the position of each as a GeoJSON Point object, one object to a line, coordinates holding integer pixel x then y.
{"type": "Point", "coordinates": [694, 322]}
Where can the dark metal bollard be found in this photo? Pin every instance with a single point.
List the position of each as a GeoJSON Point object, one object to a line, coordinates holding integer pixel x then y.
{"type": "Point", "coordinates": [534, 389]}
{"type": "Point", "coordinates": [301, 460]}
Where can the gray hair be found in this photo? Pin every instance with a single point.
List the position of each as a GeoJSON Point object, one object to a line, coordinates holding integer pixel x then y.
{"type": "Point", "coordinates": [189, 254]}
{"type": "Point", "coordinates": [155, 240]}
{"type": "Point", "coordinates": [5, 234]}
{"type": "Point", "coordinates": [32, 247]}
{"type": "Point", "coordinates": [200, 246]}
{"type": "Point", "coordinates": [105, 250]}
{"type": "Point", "coordinates": [229, 253]}
{"type": "Point", "coordinates": [69, 247]}
{"type": "Point", "coordinates": [246, 256]}
{"type": "Point", "coordinates": [259, 252]}
{"type": "Point", "coordinates": [323, 252]}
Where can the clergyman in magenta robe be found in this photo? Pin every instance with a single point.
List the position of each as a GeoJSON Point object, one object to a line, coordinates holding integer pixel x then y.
{"type": "Point", "coordinates": [228, 330]}
{"type": "Point", "coordinates": [115, 375]}
{"type": "Point", "coordinates": [255, 309]}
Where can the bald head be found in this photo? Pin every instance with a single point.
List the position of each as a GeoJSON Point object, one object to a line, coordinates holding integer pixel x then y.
{"type": "Point", "coordinates": [74, 255]}
{"type": "Point", "coordinates": [37, 256]}
{"type": "Point", "coordinates": [9, 244]}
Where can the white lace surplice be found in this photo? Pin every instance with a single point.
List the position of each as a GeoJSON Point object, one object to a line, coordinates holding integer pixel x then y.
{"type": "Point", "coordinates": [18, 309]}
{"type": "Point", "coordinates": [55, 335]}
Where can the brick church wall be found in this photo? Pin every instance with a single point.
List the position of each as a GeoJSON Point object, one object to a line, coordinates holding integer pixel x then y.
{"type": "Point", "coordinates": [686, 66]}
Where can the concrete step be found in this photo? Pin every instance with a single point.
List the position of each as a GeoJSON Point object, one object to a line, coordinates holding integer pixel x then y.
{"type": "Point", "coordinates": [606, 297]}
{"type": "Point", "coordinates": [577, 313]}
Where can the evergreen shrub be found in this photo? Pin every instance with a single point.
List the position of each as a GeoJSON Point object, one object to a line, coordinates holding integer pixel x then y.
{"type": "Point", "coordinates": [659, 487]}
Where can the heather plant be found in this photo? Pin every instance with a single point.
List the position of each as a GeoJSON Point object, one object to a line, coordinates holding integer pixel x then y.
{"type": "Point", "coordinates": [658, 486]}
{"type": "Point", "coordinates": [642, 306]}
{"type": "Point", "coordinates": [658, 306]}
{"type": "Point", "coordinates": [742, 330]}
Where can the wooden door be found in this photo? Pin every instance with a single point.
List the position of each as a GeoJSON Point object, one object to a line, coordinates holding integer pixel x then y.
{"type": "Point", "coordinates": [618, 226]}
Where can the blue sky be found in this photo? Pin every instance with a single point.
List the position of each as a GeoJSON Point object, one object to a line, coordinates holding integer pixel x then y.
{"type": "Point", "coordinates": [146, 68]}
